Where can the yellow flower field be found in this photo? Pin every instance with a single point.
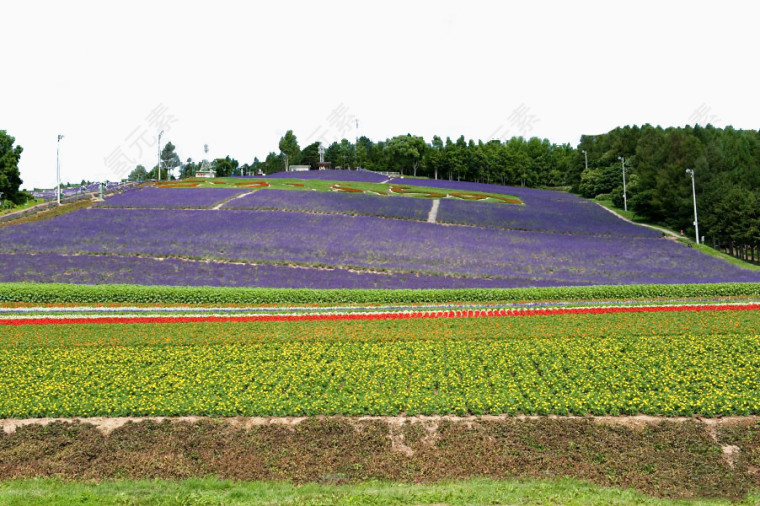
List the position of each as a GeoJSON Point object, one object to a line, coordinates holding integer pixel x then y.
{"type": "Point", "coordinates": [654, 363]}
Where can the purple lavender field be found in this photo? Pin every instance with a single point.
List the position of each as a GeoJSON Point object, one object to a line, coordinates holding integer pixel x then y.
{"type": "Point", "coordinates": [403, 248]}
{"type": "Point", "coordinates": [547, 215]}
{"type": "Point", "coordinates": [172, 198]}
{"type": "Point", "coordinates": [112, 269]}
{"type": "Point", "coordinates": [333, 203]}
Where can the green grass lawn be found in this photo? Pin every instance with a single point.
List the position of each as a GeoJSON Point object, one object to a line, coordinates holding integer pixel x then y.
{"type": "Point", "coordinates": [213, 491]}
{"type": "Point", "coordinates": [8, 207]}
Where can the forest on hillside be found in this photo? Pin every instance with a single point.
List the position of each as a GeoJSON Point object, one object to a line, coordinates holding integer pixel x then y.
{"type": "Point", "coordinates": [726, 165]}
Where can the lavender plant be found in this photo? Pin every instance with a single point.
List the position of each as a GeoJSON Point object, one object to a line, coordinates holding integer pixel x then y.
{"type": "Point", "coordinates": [522, 258]}
{"type": "Point", "coordinates": [546, 214]}
{"type": "Point", "coordinates": [172, 198]}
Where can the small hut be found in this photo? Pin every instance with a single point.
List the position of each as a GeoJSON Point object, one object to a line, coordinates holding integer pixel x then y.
{"type": "Point", "coordinates": [205, 170]}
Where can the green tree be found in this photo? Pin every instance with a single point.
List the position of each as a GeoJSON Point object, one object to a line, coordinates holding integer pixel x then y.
{"type": "Point", "coordinates": [405, 152]}
{"type": "Point", "coordinates": [364, 149]}
{"type": "Point", "coordinates": [169, 160]}
{"type": "Point", "coordinates": [346, 154]}
{"type": "Point", "coordinates": [332, 154]}
{"type": "Point", "coordinates": [225, 167]}
{"type": "Point", "coordinates": [10, 177]}
{"type": "Point", "coordinates": [289, 146]}
{"type": "Point", "coordinates": [310, 155]}
{"type": "Point", "coordinates": [271, 164]}
{"type": "Point", "coordinates": [434, 159]}
{"type": "Point", "coordinates": [189, 168]}
{"type": "Point", "coordinates": [138, 174]}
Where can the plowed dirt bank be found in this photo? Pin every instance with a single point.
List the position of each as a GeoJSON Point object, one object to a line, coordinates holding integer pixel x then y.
{"type": "Point", "coordinates": [667, 457]}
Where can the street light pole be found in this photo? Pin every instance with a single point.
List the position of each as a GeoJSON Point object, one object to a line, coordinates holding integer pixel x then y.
{"type": "Point", "coordinates": [694, 198]}
{"type": "Point", "coordinates": [585, 157]}
{"type": "Point", "coordinates": [159, 155]}
{"type": "Point", "coordinates": [58, 168]}
{"type": "Point", "coordinates": [625, 198]}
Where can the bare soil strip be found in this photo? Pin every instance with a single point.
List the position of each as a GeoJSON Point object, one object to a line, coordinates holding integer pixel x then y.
{"type": "Point", "coordinates": [433, 214]}
{"type": "Point", "coordinates": [667, 457]}
{"type": "Point", "coordinates": [108, 424]}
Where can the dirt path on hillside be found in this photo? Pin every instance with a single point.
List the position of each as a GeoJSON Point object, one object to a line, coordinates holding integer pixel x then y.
{"type": "Point", "coordinates": [653, 227]}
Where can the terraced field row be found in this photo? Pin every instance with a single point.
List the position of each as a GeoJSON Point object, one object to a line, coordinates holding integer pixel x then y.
{"type": "Point", "coordinates": [668, 360]}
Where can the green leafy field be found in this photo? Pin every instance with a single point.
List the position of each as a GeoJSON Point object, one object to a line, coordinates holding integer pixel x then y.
{"type": "Point", "coordinates": [213, 491]}
{"type": "Point", "coordinates": [107, 294]}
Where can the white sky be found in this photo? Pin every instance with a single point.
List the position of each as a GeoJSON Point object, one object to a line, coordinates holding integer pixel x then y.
{"type": "Point", "coordinates": [237, 75]}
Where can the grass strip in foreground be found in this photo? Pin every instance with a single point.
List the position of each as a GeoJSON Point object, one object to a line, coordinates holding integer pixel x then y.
{"type": "Point", "coordinates": [214, 491]}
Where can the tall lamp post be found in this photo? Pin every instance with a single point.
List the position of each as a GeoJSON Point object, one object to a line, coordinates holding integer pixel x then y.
{"type": "Point", "coordinates": [625, 198]}
{"type": "Point", "coordinates": [694, 198]}
{"type": "Point", "coordinates": [159, 154]}
{"type": "Point", "coordinates": [585, 157]}
{"type": "Point", "coordinates": [58, 168]}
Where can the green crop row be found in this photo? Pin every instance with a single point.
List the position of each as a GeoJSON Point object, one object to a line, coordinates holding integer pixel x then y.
{"type": "Point", "coordinates": [140, 294]}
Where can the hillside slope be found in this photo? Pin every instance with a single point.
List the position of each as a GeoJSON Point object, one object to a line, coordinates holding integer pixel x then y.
{"type": "Point", "coordinates": [299, 235]}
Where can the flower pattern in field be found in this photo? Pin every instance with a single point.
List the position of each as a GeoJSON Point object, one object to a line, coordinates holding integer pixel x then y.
{"type": "Point", "coordinates": [364, 176]}
{"type": "Point", "coordinates": [533, 195]}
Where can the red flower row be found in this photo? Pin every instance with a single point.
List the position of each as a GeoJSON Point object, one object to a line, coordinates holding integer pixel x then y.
{"type": "Point", "coordinates": [374, 316]}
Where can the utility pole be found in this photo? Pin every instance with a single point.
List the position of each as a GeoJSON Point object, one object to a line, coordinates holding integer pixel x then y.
{"type": "Point", "coordinates": [694, 198]}
{"type": "Point", "coordinates": [625, 198]}
{"type": "Point", "coordinates": [159, 155]}
{"type": "Point", "coordinates": [356, 146]}
{"type": "Point", "coordinates": [58, 167]}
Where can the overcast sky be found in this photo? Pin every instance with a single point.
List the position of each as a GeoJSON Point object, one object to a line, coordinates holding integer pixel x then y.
{"type": "Point", "coordinates": [110, 76]}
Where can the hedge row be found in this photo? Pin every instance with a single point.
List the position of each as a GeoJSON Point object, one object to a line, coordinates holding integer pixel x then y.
{"type": "Point", "coordinates": [141, 294]}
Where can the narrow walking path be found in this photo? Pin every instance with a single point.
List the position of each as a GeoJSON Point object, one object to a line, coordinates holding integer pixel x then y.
{"type": "Point", "coordinates": [653, 227]}
{"type": "Point", "coordinates": [433, 214]}
{"type": "Point", "coordinates": [220, 204]}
